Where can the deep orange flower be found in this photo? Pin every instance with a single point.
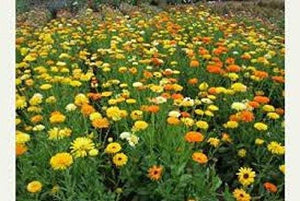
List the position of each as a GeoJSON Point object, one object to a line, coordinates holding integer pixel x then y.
{"type": "Point", "coordinates": [94, 96]}
{"type": "Point", "coordinates": [153, 108]}
{"type": "Point", "coordinates": [168, 87]}
{"type": "Point", "coordinates": [200, 157]}
{"type": "Point", "coordinates": [193, 136]}
{"type": "Point", "coordinates": [177, 96]}
{"type": "Point", "coordinates": [233, 68]}
{"type": "Point", "coordinates": [230, 60]}
{"type": "Point", "coordinates": [261, 74]}
{"type": "Point", "coordinates": [261, 99]}
{"type": "Point", "coordinates": [21, 149]}
{"type": "Point", "coordinates": [246, 116]}
{"type": "Point", "coordinates": [147, 74]}
{"type": "Point", "coordinates": [278, 79]}
{"type": "Point", "coordinates": [185, 114]}
{"type": "Point", "coordinates": [214, 69]}
{"type": "Point", "coordinates": [155, 172]}
{"type": "Point", "coordinates": [212, 90]}
{"type": "Point", "coordinates": [270, 187]}
{"type": "Point", "coordinates": [253, 104]}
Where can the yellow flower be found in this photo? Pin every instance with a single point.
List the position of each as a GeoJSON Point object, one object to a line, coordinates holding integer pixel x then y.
{"type": "Point", "coordinates": [36, 99]}
{"type": "Point", "coordinates": [81, 146]}
{"type": "Point", "coordinates": [93, 152]}
{"type": "Point", "coordinates": [273, 115]}
{"type": "Point", "coordinates": [81, 99]}
{"type": "Point", "coordinates": [199, 112]}
{"type": "Point", "coordinates": [213, 141]}
{"type": "Point", "coordinates": [120, 159]}
{"type": "Point", "coordinates": [268, 108]}
{"type": "Point", "coordinates": [246, 176]}
{"type": "Point", "coordinates": [45, 86]}
{"type": "Point", "coordinates": [241, 195]}
{"type": "Point", "coordinates": [242, 153]}
{"type": "Point", "coordinates": [239, 87]}
{"type": "Point", "coordinates": [282, 168]}
{"type": "Point", "coordinates": [34, 187]}
{"type": "Point", "coordinates": [203, 86]}
{"type": "Point", "coordinates": [231, 124]}
{"type": "Point", "coordinates": [55, 133]}
{"type": "Point", "coordinates": [259, 141]}
{"type": "Point", "coordinates": [95, 115]}
{"type": "Point", "coordinates": [276, 148]}
{"type": "Point", "coordinates": [202, 124]}
{"type": "Point", "coordinates": [136, 114]}
{"type": "Point", "coordinates": [114, 113]}
{"type": "Point", "coordinates": [260, 126]}
{"type": "Point", "coordinates": [21, 102]}
{"type": "Point", "coordinates": [21, 137]}
{"type": "Point", "coordinates": [212, 107]}
{"type": "Point", "coordinates": [139, 125]}
{"type": "Point", "coordinates": [61, 161]}
{"type": "Point", "coordinates": [113, 148]}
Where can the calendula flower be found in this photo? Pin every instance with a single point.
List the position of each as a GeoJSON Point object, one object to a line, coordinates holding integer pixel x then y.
{"type": "Point", "coordinates": [193, 136]}
{"type": "Point", "coordinates": [139, 125]}
{"type": "Point", "coordinates": [246, 176]}
{"type": "Point", "coordinates": [276, 148]}
{"type": "Point", "coordinates": [155, 172]}
{"type": "Point", "coordinates": [282, 168]}
{"type": "Point", "coordinates": [46, 86]}
{"type": "Point", "coordinates": [34, 187]}
{"type": "Point", "coordinates": [270, 187]}
{"type": "Point", "coordinates": [70, 107]}
{"type": "Point", "coordinates": [136, 114]}
{"type": "Point", "coordinates": [238, 106]}
{"type": "Point", "coordinates": [215, 142]}
{"type": "Point", "coordinates": [57, 117]}
{"type": "Point", "coordinates": [200, 157]}
{"type": "Point", "coordinates": [259, 141]}
{"type": "Point", "coordinates": [202, 124]}
{"type": "Point", "coordinates": [100, 123]}
{"type": "Point", "coordinates": [231, 124]}
{"type": "Point", "coordinates": [242, 153]}
{"type": "Point", "coordinates": [113, 147]}
{"type": "Point", "coordinates": [120, 159]}
{"type": "Point", "coordinates": [81, 146]}
{"type": "Point", "coordinates": [241, 195]}
{"type": "Point", "coordinates": [261, 126]}
{"type": "Point", "coordinates": [21, 137]}
{"type": "Point", "coordinates": [61, 161]}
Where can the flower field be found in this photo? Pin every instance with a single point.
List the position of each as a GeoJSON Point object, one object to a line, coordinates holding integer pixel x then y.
{"type": "Point", "coordinates": [181, 105]}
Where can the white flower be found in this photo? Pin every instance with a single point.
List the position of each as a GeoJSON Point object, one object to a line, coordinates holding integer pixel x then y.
{"type": "Point", "coordinates": [125, 135]}
{"type": "Point", "coordinates": [206, 101]}
{"type": "Point", "coordinates": [70, 107]}
{"type": "Point", "coordinates": [174, 114]}
{"type": "Point", "coordinates": [133, 140]}
{"type": "Point", "coordinates": [137, 84]}
{"type": "Point", "coordinates": [39, 127]}
{"type": "Point", "coordinates": [238, 106]}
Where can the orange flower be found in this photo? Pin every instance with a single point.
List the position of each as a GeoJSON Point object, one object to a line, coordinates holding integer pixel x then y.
{"type": "Point", "coordinates": [166, 95]}
{"type": "Point", "coordinates": [177, 96]}
{"type": "Point", "coordinates": [253, 104]}
{"type": "Point", "coordinates": [87, 109]}
{"type": "Point", "coordinates": [246, 116]}
{"type": "Point", "coordinates": [147, 74]}
{"type": "Point", "coordinates": [100, 123]}
{"type": "Point", "coordinates": [153, 108]}
{"type": "Point", "coordinates": [233, 68]}
{"type": "Point", "coordinates": [278, 79]}
{"type": "Point", "coordinates": [214, 69]}
{"type": "Point", "coordinates": [270, 187]}
{"type": "Point", "coordinates": [200, 157]}
{"type": "Point", "coordinates": [155, 172]}
{"type": "Point", "coordinates": [193, 81]}
{"type": "Point", "coordinates": [234, 117]}
{"type": "Point", "coordinates": [279, 111]}
{"type": "Point", "coordinates": [194, 64]}
{"type": "Point", "coordinates": [185, 114]}
{"type": "Point", "coordinates": [21, 149]}
{"type": "Point", "coordinates": [230, 60]}
{"type": "Point", "coordinates": [261, 99]}
{"type": "Point", "coordinates": [173, 121]}
{"type": "Point", "coordinates": [168, 87]}
{"type": "Point", "coordinates": [212, 90]}
{"type": "Point", "coordinates": [261, 74]}
{"type": "Point", "coordinates": [94, 96]}
{"type": "Point", "coordinates": [193, 136]}
{"type": "Point", "coordinates": [37, 118]}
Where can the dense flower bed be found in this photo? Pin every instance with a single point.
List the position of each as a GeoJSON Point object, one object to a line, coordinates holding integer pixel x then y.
{"type": "Point", "coordinates": [179, 105]}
